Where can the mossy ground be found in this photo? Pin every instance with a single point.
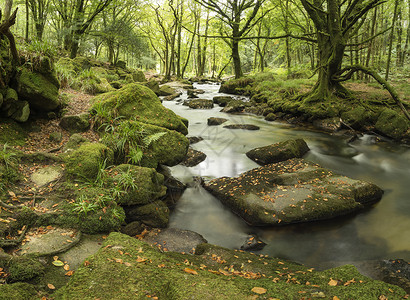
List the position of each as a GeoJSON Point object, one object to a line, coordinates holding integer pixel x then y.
{"type": "Point", "coordinates": [122, 266]}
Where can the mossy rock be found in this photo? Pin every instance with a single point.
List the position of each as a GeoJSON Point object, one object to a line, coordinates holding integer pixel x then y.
{"type": "Point", "coordinates": [154, 214]}
{"type": "Point", "coordinates": [24, 269]}
{"type": "Point", "coordinates": [152, 85]}
{"type": "Point", "coordinates": [75, 123]}
{"type": "Point", "coordinates": [392, 124]}
{"type": "Point", "coordinates": [222, 100]}
{"type": "Point", "coordinates": [236, 86]}
{"type": "Point", "coordinates": [147, 185]}
{"type": "Point", "coordinates": [17, 291]}
{"type": "Point", "coordinates": [83, 62]}
{"type": "Point", "coordinates": [38, 90]}
{"type": "Point", "coordinates": [201, 104]}
{"type": "Point", "coordinates": [355, 118]}
{"type": "Point", "coordinates": [12, 133]}
{"type": "Point", "coordinates": [166, 90]}
{"type": "Point", "coordinates": [213, 273]}
{"type": "Point", "coordinates": [138, 76]}
{"type": "Point", "coordinates": [75, 141]}
{"type": "Point", "coordinates": [86, 161]}
{"type": "Point", "coordinates": [68, 65]}
{"type": "Point", "coordinates": [139, 102]}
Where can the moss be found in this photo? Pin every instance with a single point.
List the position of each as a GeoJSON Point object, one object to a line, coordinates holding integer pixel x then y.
{"type": "Point", "coordinates": [75, 141]}
{"type": "Point", "coordinates": [38, 90]}
{"type": "Point", "coordinates": [219, 273]}
{"type": "Point", "coordinates": [138, 76]}
{"type": "Point", "coordinates": [392, 124]}
{"type": "Point", "coordinates": [147, 185]}
{"type": "Point", "coordinates": [154, 214]}
{"type": "Point", "coordinates": [85, 162]}
{"type": "Point", "coordinates": [17, 291]}
{"type": "Point", "coordinates": [166, 90]}
{"type": "Point", "coordinates": [236, 86]}
{"type": "Point", "coordinates": [12, 133]}
{"type": "Point", "coordinates": [139, 102]}
{"type": "Point", "coordinates": [356, 117]}
{"type": "Point", "coordinates": [24, 269]}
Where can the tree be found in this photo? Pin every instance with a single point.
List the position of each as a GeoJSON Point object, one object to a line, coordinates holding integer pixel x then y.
{"type": "Point", "coordinates": [336, 22]}
{"type": "Point", "coordinates": [39, 11]}
{"type": "Point", "coordinates": [240, 16]}
{"type": "Point", "coordinates": [8, 21]}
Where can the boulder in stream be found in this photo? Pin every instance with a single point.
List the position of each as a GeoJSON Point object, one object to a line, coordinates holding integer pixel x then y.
{"type": "Point", "coordinates": [292, 191]}
{"type": "Point", "coordinates": [193, 158]}
{"type": "Point", "coordinates": [242, 126]}
{"type": "Point", "coordinates": [216, 121]}
{"type": "Point", "coordinates": [201, 104]}
{"type": "Point", "coordinates": [278, 152]}
{"type": "Point", "coordinates": [234, 106]}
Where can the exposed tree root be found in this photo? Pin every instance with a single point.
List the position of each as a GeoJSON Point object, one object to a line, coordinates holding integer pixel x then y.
{"type": "Point", "coordinates": [12, 243]}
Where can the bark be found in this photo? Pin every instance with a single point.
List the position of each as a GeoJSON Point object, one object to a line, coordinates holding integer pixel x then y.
{"type": "Point", "coordinates": [389, 54]}
{"type": "Point", "coordinates": [5, 29]}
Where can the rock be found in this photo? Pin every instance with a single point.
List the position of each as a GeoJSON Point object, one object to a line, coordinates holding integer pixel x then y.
{"type": "Point", "coordinates": [142, 185]}
{"type": "Point", "coordinates": [21, 111]}
{"type": "Point", "coordinates": [75, 141]}
{"type": "Point", "coordinates": [234, 106]}
{"type": "Point", "coordinates": [75, 123]}
{"type": "Point", "coordinates": [355, 118]}
{"type": "Point", "coordinates": [175, 188]}
{"type": "Point", "coordinates": [153, 85]}
{"type": "Point", "coordinates": [139, 102]}
{"type": "Point", "coordinates": [201, 104]}
{"type": "Point", "coordinates": [121, 64]}
{"type": "Point", "coordinates": [193, 158]}
{"type": "Point", "coordinates": [392, 124]}
{"type": "Point", "coordinates": [132, 229]}
{"type": "Point", "coordinates": [116, 84]}
{"type": "Point", "coordinates": [49, 241]}
{"type": "Point", "coordinates": [195, 139]}
{"type": "Point", "coordinates": [330, 125]}
{"type": "Point", "coordinates": [38, 90]}
{"type": "Point", "coordinates": [172, 97]}
{"type": "Point", "coordinates": [396, 272]}
{"type": "Point", "coordinates": [222, 100]}
{"type": "Point", "coordinates": [271, 117]}
{"type": "Point", "coordinates": [85, 162]}
{"type": "Point", "coordinates": [253, 243]}
{"type": "Point", "coordinates": [235, 86]}
{"type": "Point", "coordinates": [166, 90]}
{"type": "Point", "coordinates": [230, 274]}
{"type": "Point", "coordinates": [155, 214]}
{"type": "Point", "coordinates": [55, 137]}
{"type": "Point", "coordinates": [292, 191]}
{"type": "Point", "coordinates": [46, 175]}
{"type": "Point", "coordinates": [176, 240]}
{"type": "Point", "coordinates": [242, 126]}
{"type": "Point", "coordinates": [139, 76]}
{"type": "Point", "coordinates": [278, 152]}
{"type": "Point", "coordinates": [193, 93]}
{"type": "Point", "coordinates": [216, 121]}
{"type": "Point", "coordinates": [22, 269]}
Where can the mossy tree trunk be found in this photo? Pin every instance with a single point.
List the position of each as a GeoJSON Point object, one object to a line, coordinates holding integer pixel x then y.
{"type": "Point", "coordinates": [335, 22]}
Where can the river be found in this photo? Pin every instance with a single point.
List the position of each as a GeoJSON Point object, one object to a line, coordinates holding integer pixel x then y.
{"type": "Point", "coordinates": [380, 232]}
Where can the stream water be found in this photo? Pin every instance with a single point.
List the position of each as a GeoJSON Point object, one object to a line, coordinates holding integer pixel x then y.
{"type": "Point", "coordinates": [381, 232]}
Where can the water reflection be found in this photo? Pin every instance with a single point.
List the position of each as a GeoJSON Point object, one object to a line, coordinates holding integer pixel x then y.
{"type": "Point", "coordinates": [377, 233]}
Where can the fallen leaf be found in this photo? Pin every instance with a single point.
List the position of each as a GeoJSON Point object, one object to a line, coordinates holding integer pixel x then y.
{"type": "Point", "coordinates": [69, 273]}
{"type": "Point", "coordinates": [66, 267]}
{"type": "Point", "coordinates": [333, 282]}
{"type": "Point", "coordinates": [51, 287]}
{"type": "Point", "coordinates": [127, 264]}
{"type": "Point", "coordinates": [382, 297]}
{"type": "Point", "coordinates": [190, 271]}
{"type": "Point", "coordinates": [259, 290]}
{"type": "Point", "coordinates": [335, 298]}
{"type": "Point", "coordinates": [58, 263]}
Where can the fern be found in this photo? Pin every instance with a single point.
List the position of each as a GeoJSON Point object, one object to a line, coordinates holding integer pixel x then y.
{"type": "Point", "coordinates": [148, 140]}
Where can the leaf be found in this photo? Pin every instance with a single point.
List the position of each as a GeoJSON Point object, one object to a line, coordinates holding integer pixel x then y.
{"type": "Point", "coordinates": [58, 263]}
{"type": "Point", "coordinates": [51, 287]}
{"type": "Point", "coordinates": [141, 259]}
{"type": "Point", "coordinates": [259, 290]}
{"type": "Point", "coordinates": [190, 271]}
{"type": "Point", "coordinates": [335, 298]}
{"type": "Point", "coordinates": [66, 267]}
{"type": "Point", "coordinates": [127, 264]}
{"type": "Point", "coordinates": [69, 273]}
{"type": "Point", "coordinates": [12, 194]}
{"type": "Point", "coordinates": [382, 297]}
{"type": "Point", "coordinates": [333, 282]}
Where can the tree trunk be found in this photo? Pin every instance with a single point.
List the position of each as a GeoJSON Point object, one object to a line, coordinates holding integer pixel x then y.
{"type": "Point", "coordinates": [236, 59]}
{"type": "Point", "coordinates": [396, 4]}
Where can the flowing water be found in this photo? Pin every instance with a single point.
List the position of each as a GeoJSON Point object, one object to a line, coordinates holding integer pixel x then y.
{"type": "Point", "coordinates": [380, 232]}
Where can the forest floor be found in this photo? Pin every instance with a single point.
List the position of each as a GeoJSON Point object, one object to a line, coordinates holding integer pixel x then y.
{"type": "Point", "coordinates": [374, 90]}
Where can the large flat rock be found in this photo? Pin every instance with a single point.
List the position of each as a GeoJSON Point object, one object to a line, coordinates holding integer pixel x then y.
{"type": "Point", "coordinates": [292, 191]}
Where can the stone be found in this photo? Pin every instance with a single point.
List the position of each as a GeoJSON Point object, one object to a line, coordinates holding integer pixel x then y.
{"type": "Point", "coordinates": [292, 191]}
{"type": "Point", "coordinates": [139, 76]}
{"type": "Point", "coordinates": [235, 86]}
{"type": "Point", "coordinates": [242, 126]}
{"type": "Point", "coordinates": [216, 121]}
{"type": "Point", "coordinates": [172, 97]}
{"type": "Point", "coordinates": [132, 229]}
{"type": "Point", "coordinates": [396, 272]}
{"type": "Point", "coordinates": [152, 85]}
{"type": "Point", "coordinates": [278, 152]}
{"type": "Point", "coordinates": [55, 137]}
{"type": "Point", "coordinates": [74, 142]}
{"type": "Point", "coordinates": [201, 104]}
{"type": "Point", "coordinates": [142, 185]}
{"type": "Point", "coordinates": [234, 106]}
{"type": "Point", "coordinates": [177, 240]}
{"type": "Point", "coordinates": [154, 214]}
{"type": "Point", "coordinates": [392, 124]}
{"type": "Point", "coordinates": [175, 188]}
{"type": "Point", "coordinates": [166, 90]}
{"type": "Point", "coordinates": [355, 118]}
{"type": "Point", "coordinates": [46, 176]}
{"type": "Point", "coordinates": [194, 139]}
{"type": "Point", "coordinates": [21, 111]}
{"type": "Point", "coordinates": [253, 243]}
{"type": "Point", "coordinates": [271, 117]}
{"type": "Point", "coordinates": [135, 101]}
{"type": "Point", "coordinates": [222, 100]}
{"type": "Point", "coordinates": [193, 93]}
{"type": "Point", "coordinates": [330, 125]}
{"type": "Point", "coordinates": [38, 90]}
{"type": "Point", "coordinates": [193, 158]}
{"type": "Point", "coordinates": [75, 123]}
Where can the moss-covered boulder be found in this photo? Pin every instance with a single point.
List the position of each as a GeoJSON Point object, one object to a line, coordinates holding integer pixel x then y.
{"type": "Point", "coordinates": [74, 142]}
{"type": "Point", "coordinates": [138, 76]}
{"type": "Point", "coordinates": [21, 268]}
{"type": "Point", "coordinates": [278, 152]}
{"type": "Point", "coordinates": [138, 185]}
{"type": "Point", "coordinates": [87, 161]}
{"type": "Point", "coordinates": [222, 100]}
{"type": "Point", "coordinates": [154, 214]}
{"type": "Point", "coordinates": [166, 90]}
{"type": "Point", "coordinates": [234, 106]}
{"type": "Point", "coordinates": [193, 158]}
{"type": "Point", "coordinates": [355, 118]}
{"type": "Point", "coordinates": [213, 273]}
{"type": "Point", "coordinates": [75, 123]}
{"type": "Point", "coordinates": [138, 102]}
{"type": "Point", "coordinates": [236, 86]}
{"type": "Point", "coordinates": [201, 104]}
{"type": "Point", "coordinates": [17, 291]}
{"type": "Point", "coordinates": [38, 90]}
{"type": "Point", "coordinates": [392, 124]}
{"type": "Point", "coordinates": [292, 191]}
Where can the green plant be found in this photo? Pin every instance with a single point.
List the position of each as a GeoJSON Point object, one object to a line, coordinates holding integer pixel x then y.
{"type": "Point", "coordinates": [66, 75]}
{"type": "Point", "coordinates": [83, 206]}
{"type": "Point", "coordinates": [101, 175]}
{"type": "Point", "coordinates": [7, 157]}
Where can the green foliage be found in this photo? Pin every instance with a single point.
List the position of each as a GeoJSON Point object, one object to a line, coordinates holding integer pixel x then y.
{"type": "Point", "coordinates": [7, 157]}
{"type": "Point", "coordinates": [83, 205]}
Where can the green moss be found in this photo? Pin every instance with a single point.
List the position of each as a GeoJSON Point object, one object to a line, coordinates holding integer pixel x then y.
{"type": "Point", "coordinates": [12, 133]}
{"type": "Point", "coordinates": [24, 269]}
{"type": "Point", "coordinates": [17, 291]}
{"type": "Point", "coordinates": [236, 86]}
{"type": "Point", "coordinates": [138, 185]}
{"type": "Point", "coordinates": [392, 124]}
{"type": "Point", "coordinates": [219, 273]}
{"type": "Point", "coordinates": [138, 102]}
{"type": "Point", "coordinates": [85, 162]}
